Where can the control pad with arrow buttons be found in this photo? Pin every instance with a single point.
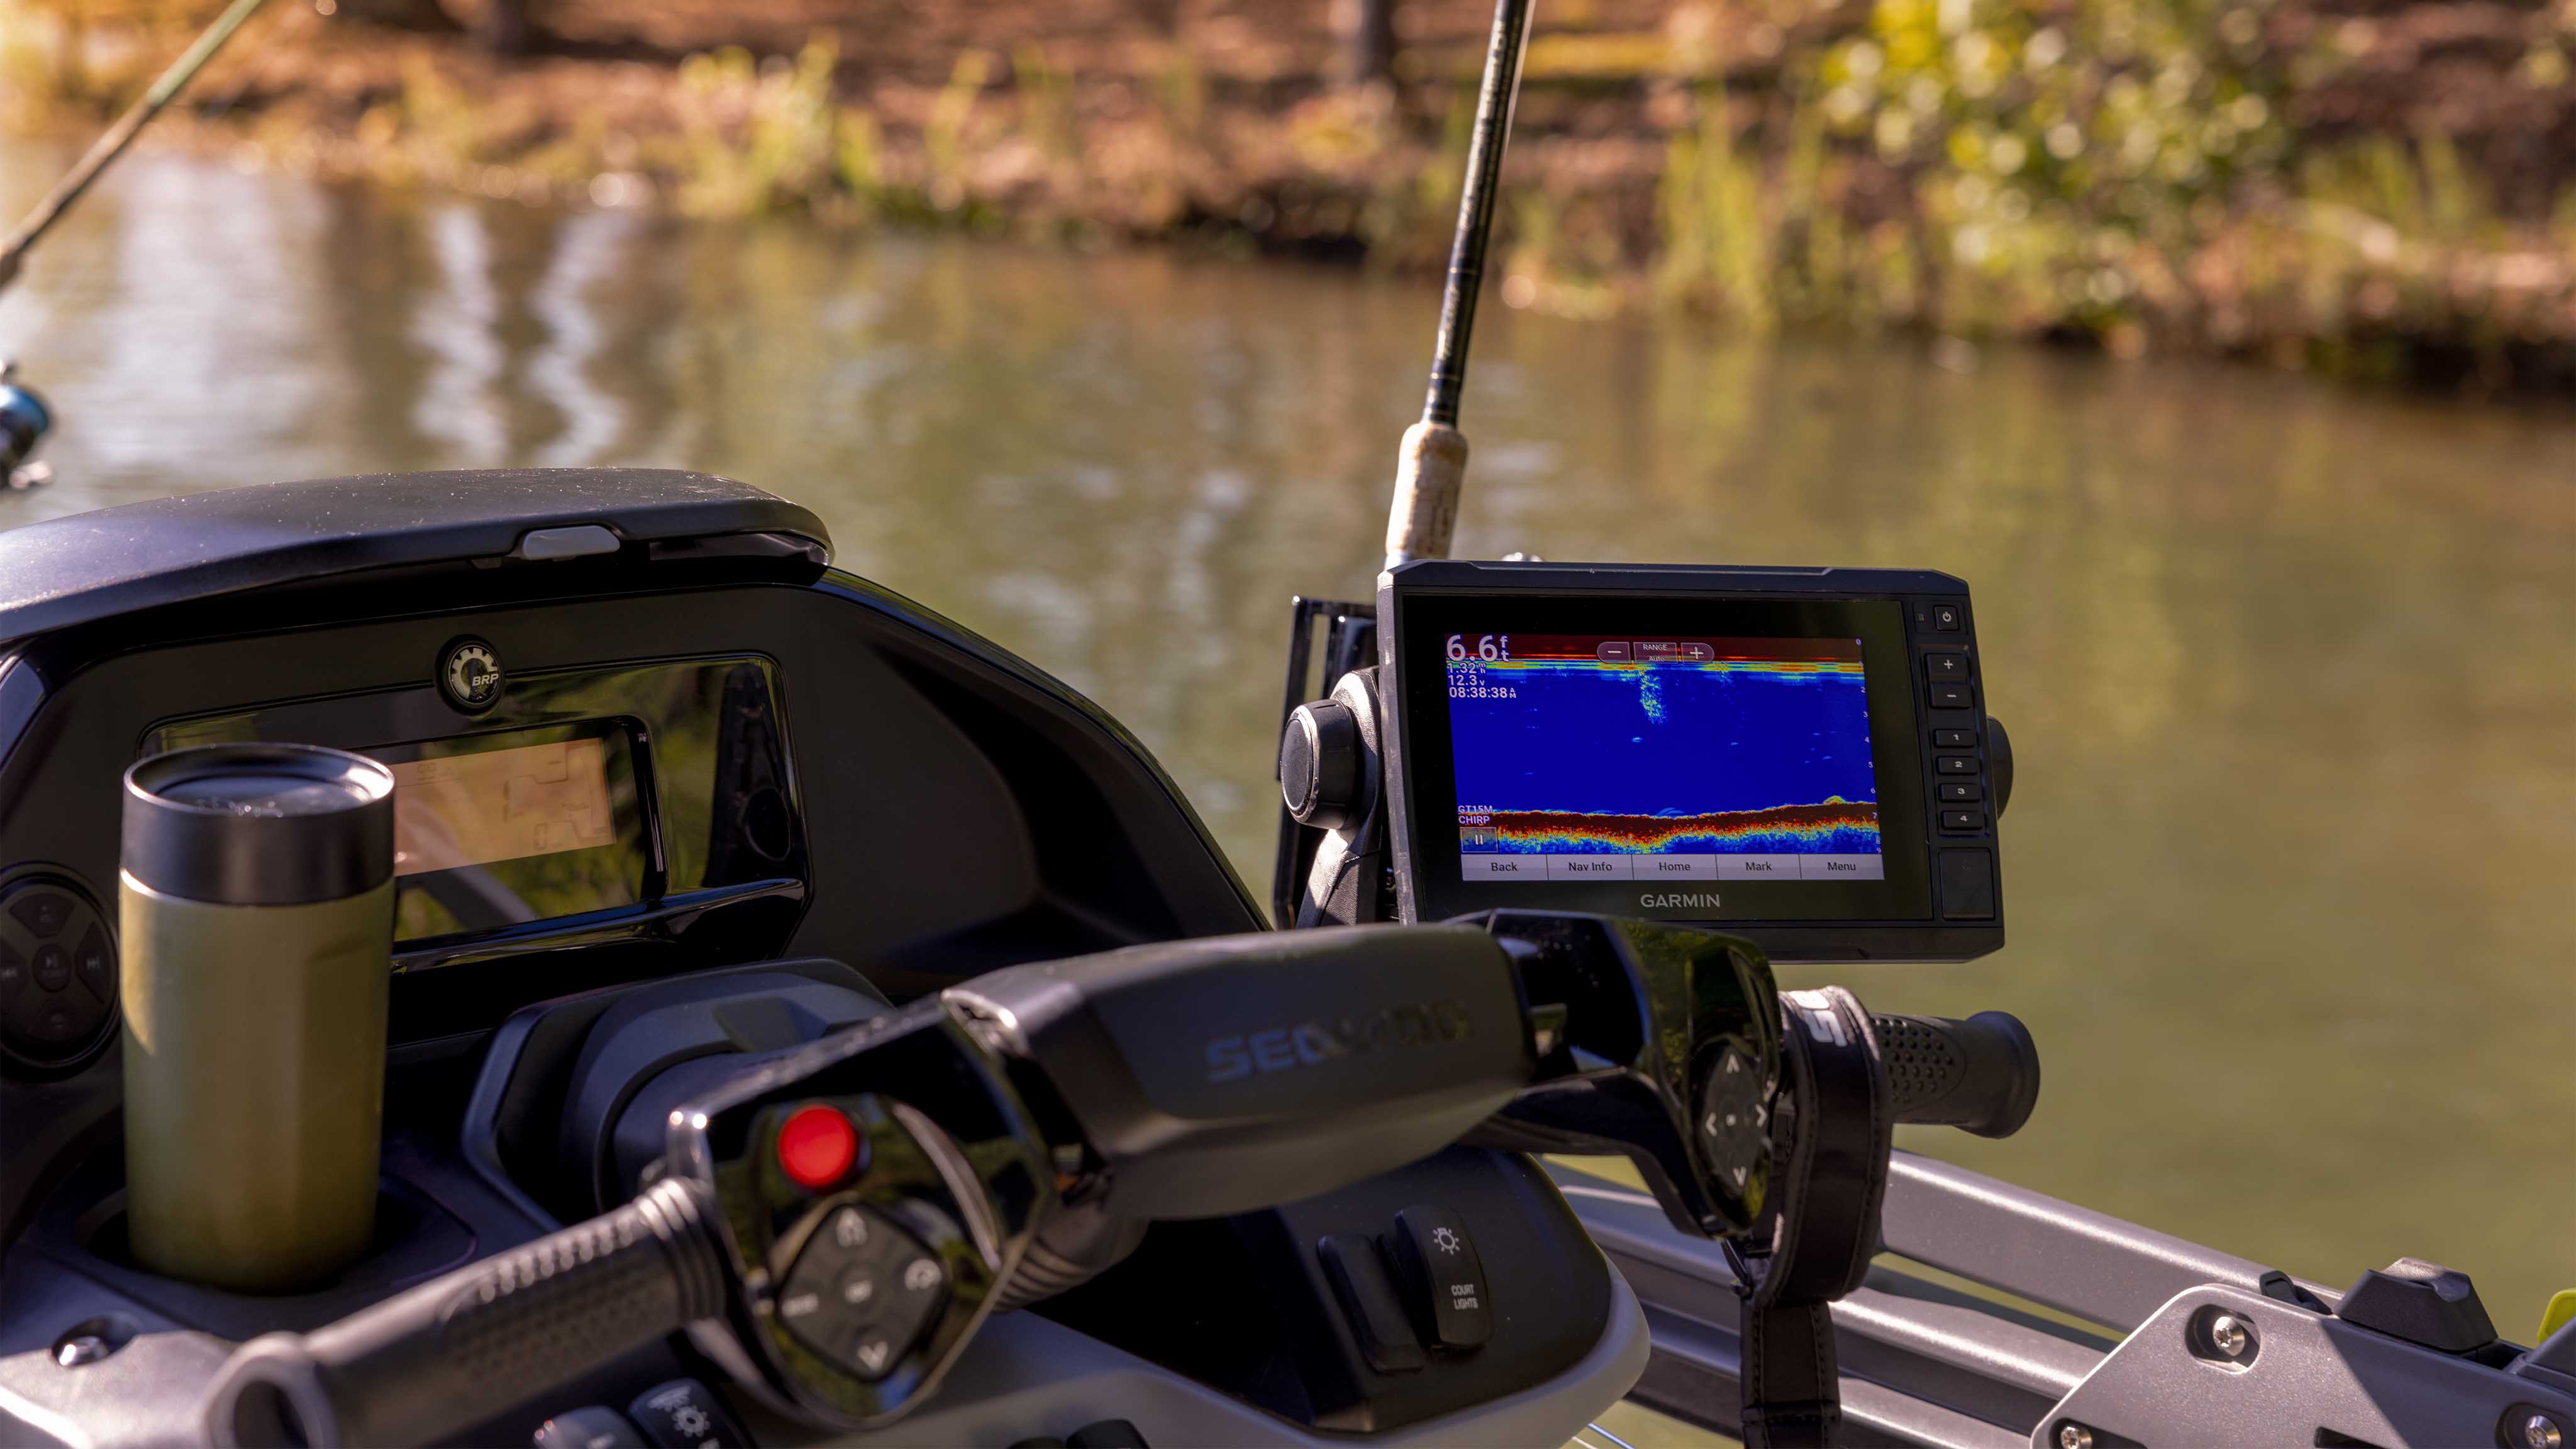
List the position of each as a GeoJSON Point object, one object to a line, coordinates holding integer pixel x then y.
{"type": "Point", "coordinates": [1443, 1279]}
{"type": "Point", "coordinates": [860, 1291]}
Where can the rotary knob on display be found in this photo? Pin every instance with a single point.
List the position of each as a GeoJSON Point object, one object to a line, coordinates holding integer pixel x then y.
{"type": "Point", "coordinates": [1319, 764]}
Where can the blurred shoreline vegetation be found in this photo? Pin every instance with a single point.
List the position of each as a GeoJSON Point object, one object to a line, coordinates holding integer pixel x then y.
{"type": "Point", "coordinates": [2371, 188]}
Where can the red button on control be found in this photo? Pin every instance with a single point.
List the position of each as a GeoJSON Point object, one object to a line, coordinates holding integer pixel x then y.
{"type": "Point", "coordinates": [817, 1146]}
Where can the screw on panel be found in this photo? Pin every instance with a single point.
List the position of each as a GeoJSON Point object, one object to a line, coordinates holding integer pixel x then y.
{"type": "Point", "coordinates": [92, 1339]}
{"type": "Point", "coordinates": [2542, 1432]}
{"type": "Point", "coordinates": [2071, 1435]}
{"type": "Point", "coordinates": [2228, 1336]}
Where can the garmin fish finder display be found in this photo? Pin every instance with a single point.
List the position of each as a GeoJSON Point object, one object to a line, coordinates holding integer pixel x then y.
{"type": "Point", "coordinates": [1587, 758]}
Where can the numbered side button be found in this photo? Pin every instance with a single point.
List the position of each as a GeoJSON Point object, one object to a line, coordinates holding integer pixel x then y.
{"type": "Point", "coordinates": [1961, 792]}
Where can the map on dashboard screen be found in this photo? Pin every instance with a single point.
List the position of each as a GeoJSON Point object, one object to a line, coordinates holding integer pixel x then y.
{"type": "Point", "coordinates": [1580, 757]}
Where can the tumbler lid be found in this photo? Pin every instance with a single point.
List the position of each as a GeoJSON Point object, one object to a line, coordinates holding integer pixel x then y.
{"type": "Point", "coordinates": [259, 824]}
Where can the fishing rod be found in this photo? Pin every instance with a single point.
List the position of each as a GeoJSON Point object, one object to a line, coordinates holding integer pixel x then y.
{"type": "Point", "coordinates": [1431, 463]}
{"type": "Point", "coordinates": [112, 144]}
{"type": "Point", "coordinates": [24, 417]}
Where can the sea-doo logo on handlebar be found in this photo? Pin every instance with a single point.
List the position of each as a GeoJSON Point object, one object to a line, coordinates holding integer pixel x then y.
{"type": "Point", "coordinates": [1313, 1043]}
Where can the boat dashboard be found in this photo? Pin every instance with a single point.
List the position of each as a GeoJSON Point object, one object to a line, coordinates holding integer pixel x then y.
{"type": "Point", "coordinates": [675, 795]}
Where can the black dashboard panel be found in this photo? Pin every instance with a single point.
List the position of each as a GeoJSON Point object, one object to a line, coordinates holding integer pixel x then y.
{"type": "Point", "coordinates": [967, 811]}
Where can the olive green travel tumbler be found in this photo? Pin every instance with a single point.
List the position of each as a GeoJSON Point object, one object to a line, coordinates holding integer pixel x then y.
{"type": "Point", "coordinates": [257, 913]}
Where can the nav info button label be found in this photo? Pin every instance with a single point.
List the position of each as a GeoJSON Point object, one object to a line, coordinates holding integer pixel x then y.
{"type": "Point", "coordinates": [1676, 867]}
{"type": "Point", "coordinates": [1589, 867]}
{"type": "Point", "coordinates": [1503, 867]}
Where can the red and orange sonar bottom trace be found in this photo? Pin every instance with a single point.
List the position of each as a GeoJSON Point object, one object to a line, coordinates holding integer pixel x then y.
{"type": "Point", "coordinates": [1832, 827]}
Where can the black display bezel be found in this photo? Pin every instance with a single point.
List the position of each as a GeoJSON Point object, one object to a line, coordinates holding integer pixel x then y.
{"type": "Point", "coordinates": [674, 716]}
{"type": "Point", "coordinates": [1896, 917]}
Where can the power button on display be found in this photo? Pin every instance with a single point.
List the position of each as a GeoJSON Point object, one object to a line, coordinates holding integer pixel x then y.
{"type": "Point", "coordinates": [1967, 885]}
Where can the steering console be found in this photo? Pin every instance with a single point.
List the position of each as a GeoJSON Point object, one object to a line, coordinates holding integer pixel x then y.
{"type": "Point", "coordinates": [834, 1223]}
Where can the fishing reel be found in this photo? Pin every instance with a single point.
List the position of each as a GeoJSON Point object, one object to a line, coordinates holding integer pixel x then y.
{"type": "Point", "coordinates": [24, 421]}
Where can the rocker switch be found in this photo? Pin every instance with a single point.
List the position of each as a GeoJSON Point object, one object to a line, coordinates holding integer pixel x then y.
{"type": "Point", "coordinates": [1368, 1301]}
{"type": "Point", "coordinates": [1444, 1277]}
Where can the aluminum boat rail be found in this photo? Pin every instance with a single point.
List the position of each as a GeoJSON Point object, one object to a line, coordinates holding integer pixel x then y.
{"type": "Point", "coordinates": [2110, 1342]}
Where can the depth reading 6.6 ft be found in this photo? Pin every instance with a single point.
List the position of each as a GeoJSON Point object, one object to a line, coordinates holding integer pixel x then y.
{"type": "Point", "coordinates": [1467, 679]}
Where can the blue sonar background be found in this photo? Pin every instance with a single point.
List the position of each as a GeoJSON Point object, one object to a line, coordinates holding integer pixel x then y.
{"type": "Point", "coordinates": [1662, 739]}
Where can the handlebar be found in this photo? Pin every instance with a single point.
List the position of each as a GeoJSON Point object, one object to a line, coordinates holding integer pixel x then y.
{"type": "Point", "coordinates": [1980, 1075]}
{"type": "Point", "coordinates": [1190, 1079]}
{"type": "Point", "coordinates": [430, 1363]}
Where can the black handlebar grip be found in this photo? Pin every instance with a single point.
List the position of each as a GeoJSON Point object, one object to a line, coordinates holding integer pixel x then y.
{"type": "Point", "coordinates": [1980, 1075]}
{"type": "Point", "coordinates": [440, 1358]}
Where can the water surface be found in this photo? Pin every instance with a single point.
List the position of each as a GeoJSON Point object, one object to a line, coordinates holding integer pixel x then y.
{"type": "Point", "coordinates": [2290, 670]}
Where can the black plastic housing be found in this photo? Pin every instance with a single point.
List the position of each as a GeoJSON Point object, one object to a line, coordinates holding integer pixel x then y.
{"type": "Point", "coordinates": [1216, 1077]}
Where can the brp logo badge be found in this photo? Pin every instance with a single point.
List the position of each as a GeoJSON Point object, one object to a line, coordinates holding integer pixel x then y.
{"type": "Point", "coordinates": [469, 674]}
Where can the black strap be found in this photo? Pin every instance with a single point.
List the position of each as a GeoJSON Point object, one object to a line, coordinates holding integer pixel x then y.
{"type": "Point", "coordinates": [1790, 1392]}
{"type": "Point", "coordinates": [1829, 1189]}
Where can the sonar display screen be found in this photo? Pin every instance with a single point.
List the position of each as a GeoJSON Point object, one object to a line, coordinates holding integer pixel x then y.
{"type": "Point", "coordinates": [1580, 757]}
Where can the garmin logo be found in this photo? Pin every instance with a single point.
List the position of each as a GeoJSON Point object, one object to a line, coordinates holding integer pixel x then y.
{"type": "Point", "coordinates": [1683, 901]}
{"type": "Point", "coordinates": [1313, 1043]}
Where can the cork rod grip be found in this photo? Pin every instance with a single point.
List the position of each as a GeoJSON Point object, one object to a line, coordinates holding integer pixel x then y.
{"type": "Point", "coordinates": [1429, 468]}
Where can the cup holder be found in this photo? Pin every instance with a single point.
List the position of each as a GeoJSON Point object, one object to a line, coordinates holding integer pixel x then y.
{"type": "Point", "coordinates": [416, 1239]}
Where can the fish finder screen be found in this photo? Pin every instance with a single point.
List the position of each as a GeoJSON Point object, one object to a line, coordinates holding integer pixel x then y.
{"type": "Point", "coordinates": [1582, 758]}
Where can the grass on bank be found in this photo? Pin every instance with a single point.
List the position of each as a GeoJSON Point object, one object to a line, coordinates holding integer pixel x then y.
{"type": "Point", "coordinates": [2117, 171]}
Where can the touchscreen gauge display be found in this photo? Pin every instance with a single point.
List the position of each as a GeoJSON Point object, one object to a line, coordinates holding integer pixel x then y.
{"type": "Point", "coordinates": [503, 829]}
{"type": "Point", "coordinates": [1584, 758]}
{"type": "Point", "coordinates": [501, 804]}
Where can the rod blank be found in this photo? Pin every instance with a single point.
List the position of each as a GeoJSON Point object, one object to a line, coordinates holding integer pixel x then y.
{"type": "Point", "coordinates": [1495, 101]}
{"type": "Point", "coordinates": [1432, 464]}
